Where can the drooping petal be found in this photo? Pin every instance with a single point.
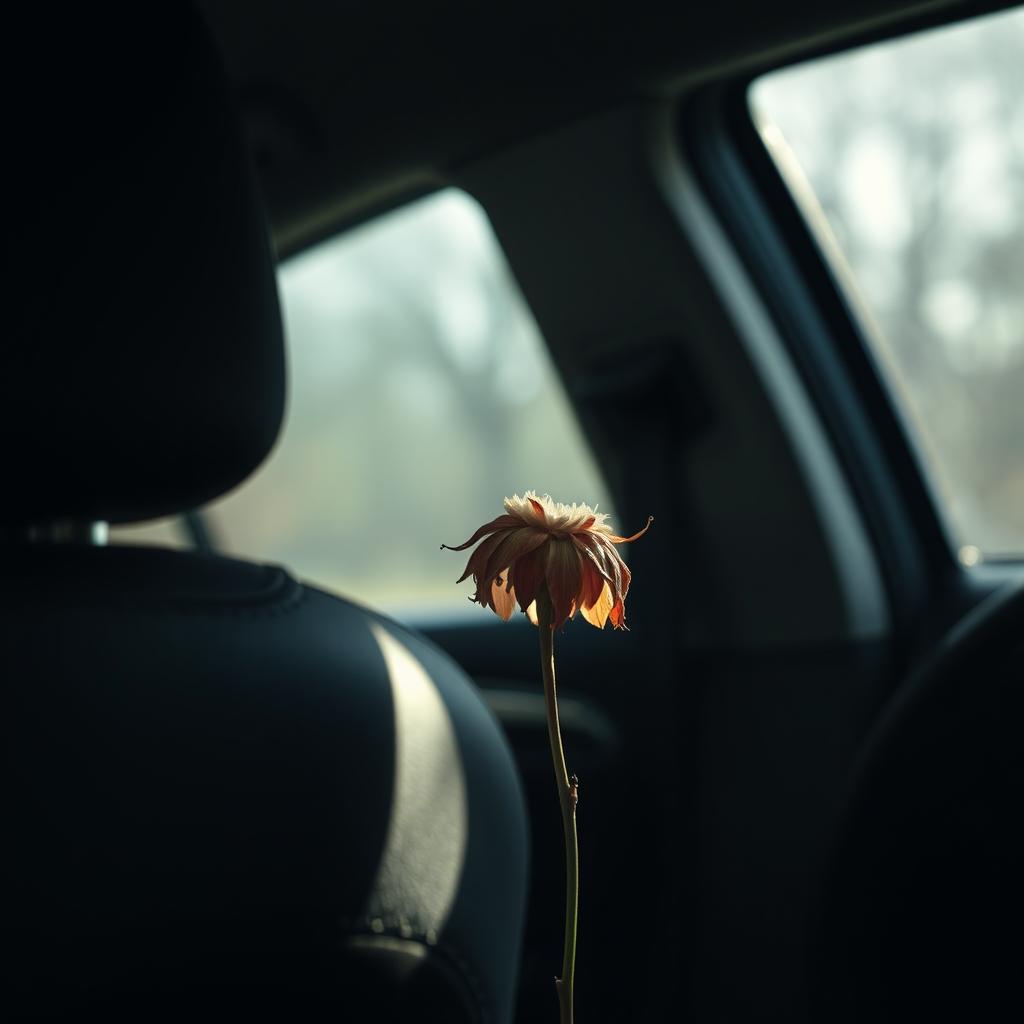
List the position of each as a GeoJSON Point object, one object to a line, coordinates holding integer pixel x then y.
{"type": "Point", "coordinates": [597, 613]}
{"type": "Point", "coordinates": [564, 579]}
{"type": "Point", "coordinates": [503, 598]}
{"type": "Point", "coordinates": [614, 570]}
{"type": "Point", "coordinates": [604, 556]}
{"type": "Point", "coordinates": [514, 545]}
{"type": "Point", "coordinates": [592, 585]}
{"type": "Point", "coordinates": [620, 571]}
{"type": "Point", "coordinates": [501, 523]}
{"type": "Point", "coordinates": [478, 559]}
{"type": "Point", "coordinates": [531, 613]}
{"type": "Point", "coordinates": [593, 556]}
{"type": "Point", "coordinates": [616, 539]}
{"type": "Point", "coordinates": [528, 576]}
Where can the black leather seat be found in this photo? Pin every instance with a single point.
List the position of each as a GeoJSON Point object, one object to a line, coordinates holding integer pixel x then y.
{"type": "Point", "coordinates": [923, 911]}
{"type": "Point", "coordinates": [227, 795]}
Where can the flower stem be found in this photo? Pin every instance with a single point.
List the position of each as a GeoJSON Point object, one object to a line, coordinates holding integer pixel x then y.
{"type": "Point", "coordinates": [567, 798]}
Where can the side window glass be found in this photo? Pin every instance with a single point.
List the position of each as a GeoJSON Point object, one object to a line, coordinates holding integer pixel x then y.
{"type": "Point", "coordinates": [421, 393]}
{"type": "Point", "coordinates": [908, 160]}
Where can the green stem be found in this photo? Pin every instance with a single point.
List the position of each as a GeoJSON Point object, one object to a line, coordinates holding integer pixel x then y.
{"type": "Point", "coordinates": [567, 798]}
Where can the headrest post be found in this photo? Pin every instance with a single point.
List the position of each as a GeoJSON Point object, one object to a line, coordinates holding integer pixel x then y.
{"type": "Point", "coordinates": [60, 532]}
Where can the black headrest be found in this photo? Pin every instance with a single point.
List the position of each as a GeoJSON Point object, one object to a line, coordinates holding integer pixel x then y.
{"type": "Point", "coordinates": [144, 370]}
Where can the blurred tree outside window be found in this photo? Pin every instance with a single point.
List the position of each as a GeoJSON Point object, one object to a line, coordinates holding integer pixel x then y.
{"type": "Point", "coordinates": [420, 394]}
{"type": "Point", "coordinates": [908, 159]}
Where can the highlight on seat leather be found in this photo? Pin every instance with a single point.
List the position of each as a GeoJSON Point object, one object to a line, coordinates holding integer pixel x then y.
{"type": "Point", "coordinates": [227, 795]}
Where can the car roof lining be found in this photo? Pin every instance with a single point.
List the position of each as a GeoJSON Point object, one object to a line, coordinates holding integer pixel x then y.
{"type": "Point", "coordinates": [348, 106]}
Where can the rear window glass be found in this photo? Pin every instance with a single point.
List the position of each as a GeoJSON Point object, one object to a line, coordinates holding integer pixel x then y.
{"type": "Point", "coordinates": [907, 159]}
{"type": "Point", "coordinates": [421, 393]}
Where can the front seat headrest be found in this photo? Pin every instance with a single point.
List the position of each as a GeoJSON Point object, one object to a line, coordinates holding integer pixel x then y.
{"type": "Point", "coordinates": [144, 371]}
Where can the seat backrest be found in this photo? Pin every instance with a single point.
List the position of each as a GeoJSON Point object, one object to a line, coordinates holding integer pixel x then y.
{"type": "Point", "coordinates": [227, 793]}
{"type": "Point", "coordinates": [926, 894]}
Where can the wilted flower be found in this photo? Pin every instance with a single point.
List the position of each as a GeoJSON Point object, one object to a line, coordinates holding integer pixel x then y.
{"type": "Point", "coordinates": [568, 547]}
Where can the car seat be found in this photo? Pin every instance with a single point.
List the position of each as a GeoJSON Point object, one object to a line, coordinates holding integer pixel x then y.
{"type": "Point", "coordinates": [925, 896]}
{"type": "Point", "coordinates": [227, 794]}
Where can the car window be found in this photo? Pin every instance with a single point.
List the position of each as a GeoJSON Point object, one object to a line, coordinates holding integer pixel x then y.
{"type": "Point", "coordinates": [907, 158]}
{"type": "Point", "coordinates": [421, 393]}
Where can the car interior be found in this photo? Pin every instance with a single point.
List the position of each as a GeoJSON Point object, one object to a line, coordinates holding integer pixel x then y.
{"type": "Point", "coordinates": [302, 292]}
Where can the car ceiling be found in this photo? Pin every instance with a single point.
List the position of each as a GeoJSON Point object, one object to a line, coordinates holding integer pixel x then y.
{"type": "Point", "coordinates": [351, 107]}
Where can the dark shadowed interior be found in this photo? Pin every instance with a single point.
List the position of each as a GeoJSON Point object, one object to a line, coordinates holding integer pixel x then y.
{"type": "Point", "coordinates": [236, 789]}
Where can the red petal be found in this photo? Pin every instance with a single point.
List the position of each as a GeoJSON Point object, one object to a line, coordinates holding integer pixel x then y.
{"type": "Point", "coordinates": [593, 555]}
{"type": "Point", "coordinates": [501, 523]}
{"type": "Point", "coordinates": [564, 578]}
{"type": "Point", "coordinates": [528, 575]}
{"type": "Point", "coordinates": [539, 509]}
{"type": "Point", "coordinates": [623, 570]}
{"type": "Point", "coordinates": [593, 584]}
{"type": "Point", "coordinates": [514, 545]}
{"type": "Point", "coordinates": [614, 570]}
{"type": "Point", "coordinates": [605, 557]}
{"type": "Point", "coordinates": [478, 559]}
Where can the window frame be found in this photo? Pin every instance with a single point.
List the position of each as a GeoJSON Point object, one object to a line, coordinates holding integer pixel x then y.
{"type": "Point", "coordinates": [819, 327]}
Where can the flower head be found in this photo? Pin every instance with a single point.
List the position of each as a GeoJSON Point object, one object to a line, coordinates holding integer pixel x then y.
{"type": "Point", "coordinates": [538, 542]}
